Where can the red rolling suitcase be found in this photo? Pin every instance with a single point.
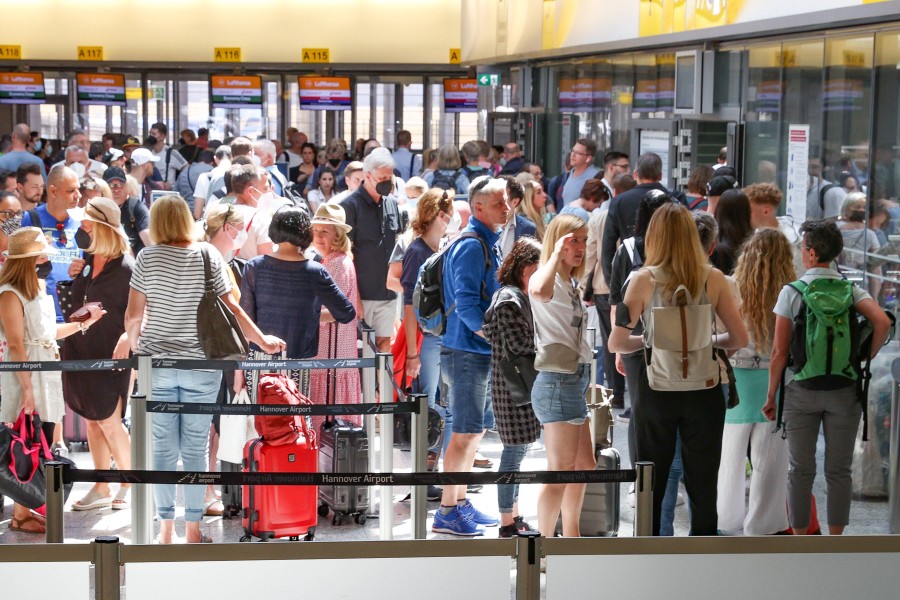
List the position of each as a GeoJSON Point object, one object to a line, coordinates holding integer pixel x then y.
{"type": "Point", "coordinates": [281, 511]}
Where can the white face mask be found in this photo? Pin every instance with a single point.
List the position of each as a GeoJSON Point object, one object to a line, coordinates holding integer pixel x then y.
{"type": "Point", "coordinates": [412, 202]}
{"type": "Point", "coordinates": [238, 242]}
{"type": "Point", "coordinates": [453, 225]}
{"type": "Point", "coordinates": [265, 201]}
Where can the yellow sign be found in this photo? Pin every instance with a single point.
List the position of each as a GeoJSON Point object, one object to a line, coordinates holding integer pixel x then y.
{"type": "Point", "coordinates": [854, 59]}
{"type": "Point", "coordinates": [11, 52]}
{"type": "Point", "coordinates": [786, 58]}
{"type": "Point", "coordinates": [90, 52]}
{"type": "Point", "coordinates": [134, 93]}
{"type": "Point", "coordinates": [455, 56]}
{"type": "Point", "coordinates": [227, 55]}
{"type": "Point", "coordinates": [316, 55]}
{"type": "Point", "coordinates": [667, 58]}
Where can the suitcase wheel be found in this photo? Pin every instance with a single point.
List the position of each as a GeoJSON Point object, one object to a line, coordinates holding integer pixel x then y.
{"type": "Point", "coordinates": [244, 538]}
{"type": "Point", "coordinates": [337, 520]}
{"type": "Point", "coordinates": [310, 535]}
{"type": "Point", "coordinates": [360, 519]}
{"type": "Point", "coordinates": [323, 510]}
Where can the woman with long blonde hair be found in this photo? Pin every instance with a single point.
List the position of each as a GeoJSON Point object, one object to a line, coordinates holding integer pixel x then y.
{"type": "Point", "coordinates": [533, 207]}
{"type": "Point", "coordinates": [675, 258]}
{"type": "Point", "coordinates": [563, 364]}
{"type": "Point", "coordinates": [764, 267]}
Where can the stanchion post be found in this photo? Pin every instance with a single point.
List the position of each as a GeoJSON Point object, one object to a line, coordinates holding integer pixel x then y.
{"type": "Point", "coordinates": [369, 378]}
{"type": "Point", "coordinates": [386, 389]}
{"type": "Point", "coordinates": [53, 477]}
{"type": "Point", "coordinates": [643, 505]}
{"type": "Point", "coordinates": [141, 432]}
{"type": "Point", "coordinates": [419, 493]}
{"type": "Point", "coordinates": [529, 552]}
{"type": "Point", "coordinates": [106, 568]}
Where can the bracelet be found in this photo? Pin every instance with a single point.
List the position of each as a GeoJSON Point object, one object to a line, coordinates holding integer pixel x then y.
{"type": "Point", "coordinates": [83, 327]}
{"type": "Point", "coordinates": [411, 356]}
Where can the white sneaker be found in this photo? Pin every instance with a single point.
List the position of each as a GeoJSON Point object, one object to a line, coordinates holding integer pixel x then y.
{"type": "Point", "coordinates": [60, 449]}
{"type": "Point", "coordinates": [680, 500]}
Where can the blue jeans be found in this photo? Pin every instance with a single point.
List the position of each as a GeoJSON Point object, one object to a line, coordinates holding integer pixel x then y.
{"type": "Point", "coordinates": [510, 460]}
{"type": "Point", "coordinates": [182, 436]}
{"type": "Point", "coordinates": [559, 397]}
{"type": "Point", "coordinates": [671, 496]}
{"type": "Point", "coordinates": [430, 372]}
{"type": "Point", "coordinates": [467, 376]}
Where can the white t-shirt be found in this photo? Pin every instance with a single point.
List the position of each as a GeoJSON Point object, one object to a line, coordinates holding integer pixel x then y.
{"type": "Point", "coordinates": [256, 222]}
{"type": "Point", "coordinates": [294, 159]}
{"type": "Point", "coordinates": [176, 163]}
{"type": "Point", "coordinates": [562, 320]}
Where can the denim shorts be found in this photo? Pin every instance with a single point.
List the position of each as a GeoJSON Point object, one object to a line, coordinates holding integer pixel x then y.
{"type": "Point", "coordinates": [559, 397]}
{"type": "Point", "coordinates": [468, 378]}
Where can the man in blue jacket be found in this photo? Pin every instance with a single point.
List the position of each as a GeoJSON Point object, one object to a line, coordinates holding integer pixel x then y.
{"type": "Point", "coordinates": [470, 280]}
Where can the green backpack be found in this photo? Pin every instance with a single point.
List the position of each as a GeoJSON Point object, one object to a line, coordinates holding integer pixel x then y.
{"type": "Point", "coordinates": [824, 344]}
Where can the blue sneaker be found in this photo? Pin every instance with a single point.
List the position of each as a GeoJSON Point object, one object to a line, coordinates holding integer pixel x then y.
{"type": "Point", "coordinates": [455, 523]}
{"type": "Point", "coordinates": [477, 516]}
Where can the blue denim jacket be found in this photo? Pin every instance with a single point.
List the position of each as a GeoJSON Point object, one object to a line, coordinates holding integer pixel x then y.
{"type": "Point", "coordinates": [464, 274]}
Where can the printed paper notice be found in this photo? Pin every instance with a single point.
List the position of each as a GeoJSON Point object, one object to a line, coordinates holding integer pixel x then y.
{"type": "Point", "coordinates": [797, 172]}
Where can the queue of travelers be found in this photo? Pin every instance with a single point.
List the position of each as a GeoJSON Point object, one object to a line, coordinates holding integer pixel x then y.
{"type": "Point", "coordinates": [304, 245]}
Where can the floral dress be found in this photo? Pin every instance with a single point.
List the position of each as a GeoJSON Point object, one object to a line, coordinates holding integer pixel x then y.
{"type": "Point", "coordinates": [337, 340]}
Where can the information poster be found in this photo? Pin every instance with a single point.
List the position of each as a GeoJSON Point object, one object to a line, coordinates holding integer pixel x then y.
{"type": "Point", "coordinates": [460, 95]}
{"type": "Point", "coordinates": [325, 93]}
{"type": "Point", "coordinates": [236, 91]}
{"type": "Point", "coordinates": [104, 89]}
{"type": "Point", "coordinates": [22, 88]}
{"type": "Point", "coordinates": [659, 143]}
{"type": "Point", "coordinates": [797, 172]}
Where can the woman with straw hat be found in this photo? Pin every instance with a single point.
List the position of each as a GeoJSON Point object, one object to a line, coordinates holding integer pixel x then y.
{"type": "Point", "coordinates": [28, 325]}
{"type": "Point", "coordinates": [101, 396]}
{"type": "Point", "coordinates": [336, 340]}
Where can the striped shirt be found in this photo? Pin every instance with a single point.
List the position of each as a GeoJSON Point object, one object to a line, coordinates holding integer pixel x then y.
{"type": "Point", "coordinates": [172, 279]}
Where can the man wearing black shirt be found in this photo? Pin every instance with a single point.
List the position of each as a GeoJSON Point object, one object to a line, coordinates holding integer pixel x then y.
{"type": "Point", "coordinates": [135, 215]}
{"type": "Point", "coordinates": [375, 217]}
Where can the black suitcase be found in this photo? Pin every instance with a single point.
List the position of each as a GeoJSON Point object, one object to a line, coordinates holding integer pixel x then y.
{"type": "Point", "coordinates": [231, 494]}
{"type": "Point", "coordinates": [343, 448]}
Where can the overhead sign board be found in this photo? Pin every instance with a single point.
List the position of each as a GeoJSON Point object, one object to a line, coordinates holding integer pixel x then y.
{"type": "Point", "coordinates": [460, 95]}
{"type": "Point", "coordinates": [105, 89]}
{"type": "Point", "coordinates": [236, 91]}
{"type": "Point", "coordinates": [22, 88]}
{"type": "Point", "coordinates": [325, 93]}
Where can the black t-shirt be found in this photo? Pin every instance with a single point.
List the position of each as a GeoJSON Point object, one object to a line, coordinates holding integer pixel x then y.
{"type": "Point", "coordinates": [413, 259]}
{"type": "Point", "coordinates": [135, 219]}
{"type": "Point", "coordinates": [374, 233]}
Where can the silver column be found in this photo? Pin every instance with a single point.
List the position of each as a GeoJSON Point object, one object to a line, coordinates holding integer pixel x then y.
{"type": "Point", "coordinates": [418, 493]}
{"type": "Point", "coordinates": [106, 568]}
{"type": "Point", "coordinates": [643, 499]}
{"type": "Point", "coordinates": [141, 451]}
{"type": "Point", "coordinates": [894, 464]}
{"type": "Point", "coordinates": [53, 476]}
{"type": "Point", "coordinates": [528, 565]}
{"type": "Point", "coordinates": [386, 394]}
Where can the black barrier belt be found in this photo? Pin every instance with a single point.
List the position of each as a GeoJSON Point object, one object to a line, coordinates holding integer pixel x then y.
{"type": "Point", "coordinates": [70, 365]}
{"type": "Point", "coordinates": [359, 479]}
{"type": "Point", "coordinates": [190, 408]}
{"type": "Point", "coordinates": [263, 365]}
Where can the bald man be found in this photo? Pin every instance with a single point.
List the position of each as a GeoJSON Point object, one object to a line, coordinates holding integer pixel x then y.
{"type": "Point", "coordinates": [18, 153]}
{"type": "Point", "coordinates": [58, 225]}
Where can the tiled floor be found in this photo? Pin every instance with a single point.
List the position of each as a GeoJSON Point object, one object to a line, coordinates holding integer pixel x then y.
{"type": "Point", "coordinates": [867, 516]}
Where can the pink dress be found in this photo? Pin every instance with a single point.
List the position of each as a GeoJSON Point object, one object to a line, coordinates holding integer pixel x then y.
{"type": "Point", "coordinates": [336, 340]}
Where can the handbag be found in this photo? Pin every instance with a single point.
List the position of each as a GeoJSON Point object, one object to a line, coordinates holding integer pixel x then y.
{"type": "Point", "coordinates": [519, 374]}
{"type": "Point", "coordinates": [556, 358]}
{"type": "Point", "coordinates": [220, 334]}
{"type": "Point", "coordinates": [23, 454]}
{"type": "Point", "coordinates": [235, 431]}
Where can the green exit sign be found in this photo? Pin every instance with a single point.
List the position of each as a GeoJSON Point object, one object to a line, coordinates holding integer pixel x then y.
{"type": "Point", "coordinates": [488, 79]}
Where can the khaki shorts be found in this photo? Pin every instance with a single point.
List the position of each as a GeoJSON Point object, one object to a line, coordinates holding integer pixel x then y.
{"type": "Point", "coordinates": [381, 315]}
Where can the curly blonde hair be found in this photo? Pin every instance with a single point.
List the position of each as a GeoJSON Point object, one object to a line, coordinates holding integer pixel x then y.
{"type": "Point", "coordinates": [764, 266]}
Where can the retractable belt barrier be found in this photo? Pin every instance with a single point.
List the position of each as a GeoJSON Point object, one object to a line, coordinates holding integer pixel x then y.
{"type": "Point", "coordinates": [71, 475]}
{"type": "Point", "coordinates": [188, 364]}
{"type": "Point", "coordinates": [269, 410]}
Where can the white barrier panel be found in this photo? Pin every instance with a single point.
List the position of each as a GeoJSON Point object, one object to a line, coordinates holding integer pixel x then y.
{"type": "Point", "coordinates": [732, 576]}
{"type": "Point", "coordinates": [42, 580]}
{"type": "Point", "coordinates": [477, 578]}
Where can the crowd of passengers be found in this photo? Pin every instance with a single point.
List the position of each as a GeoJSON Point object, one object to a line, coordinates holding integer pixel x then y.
{"type": "Point", "coordinates": [303, 243]}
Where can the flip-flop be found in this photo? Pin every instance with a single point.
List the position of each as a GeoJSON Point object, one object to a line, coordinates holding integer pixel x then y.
{"type": "Point", "coordinates": [18, 525]}
{"type": "Point", "coordinates": [92, 500]}
{"type": "Point", "coordinates": [209, 511]}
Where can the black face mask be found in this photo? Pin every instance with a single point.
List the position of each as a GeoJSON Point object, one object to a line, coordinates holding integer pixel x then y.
{"type": "Point", "coordinates": [43, 269]}
{"type": "Point", "coordinates": [334, 162]}
{"type": "Point", "coordinates": [857, 216]}
{"type": "Point", "coordinates": [384, 188]}
{"type": "Point", "coordinates": [82, 239]}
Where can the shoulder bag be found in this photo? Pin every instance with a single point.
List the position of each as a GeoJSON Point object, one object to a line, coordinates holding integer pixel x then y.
{"type": "Point", "coordinates": [220, 334]}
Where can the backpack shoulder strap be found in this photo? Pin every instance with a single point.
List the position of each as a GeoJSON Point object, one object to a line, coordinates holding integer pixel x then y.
{"type": "Point", "coordinates": [35, 218]}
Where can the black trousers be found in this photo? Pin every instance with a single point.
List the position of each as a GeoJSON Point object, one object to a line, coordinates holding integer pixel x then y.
{"type": "Point", "coordinates": [699, 416]}
{"type": "Point", "coordinates": [614, 379]}
{"type": "Point", "coordinates": [633, 365]}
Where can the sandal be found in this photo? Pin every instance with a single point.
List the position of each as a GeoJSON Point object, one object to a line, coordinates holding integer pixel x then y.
{"type": "Point", "coordinates": [120, 501]}
{"type": "Point", "coordinates": [213, 508]}
{"type": "Point", "coordinates": [92, 500]}
{"type": "Point", "coordinates": [19, 525]}
{"type": "Point", "coordinates": [204, 539]}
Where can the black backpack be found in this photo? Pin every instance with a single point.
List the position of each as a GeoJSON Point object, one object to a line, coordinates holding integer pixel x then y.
{"type": "Point", "coordinates": [444, 181]}
{"type": "Point", "coordinates": [293, 192]}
